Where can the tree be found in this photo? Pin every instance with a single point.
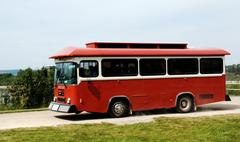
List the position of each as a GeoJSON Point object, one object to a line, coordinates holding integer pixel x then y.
{"type": "Point", "coordinates": [238, 69]}
{"type": "Point", "coordinates": [32, 89]}
{"type": "Point", "coordinates": [235, 68]}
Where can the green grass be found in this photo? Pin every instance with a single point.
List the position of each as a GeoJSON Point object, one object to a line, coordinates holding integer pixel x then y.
{"type": "Point", "coordinates": [21, 110]}
{"type": "Point", "coordinates": [233, 86]}
{"type": "Point", "coordinates": [214, 129]}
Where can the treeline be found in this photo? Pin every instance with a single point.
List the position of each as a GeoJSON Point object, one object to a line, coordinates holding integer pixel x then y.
{"type": "Point", "coordinates": [235, 68]}
{"type": "Point", "coordinates": [6, 79]}
{"type": "Point", "coordinates": [30, 89]}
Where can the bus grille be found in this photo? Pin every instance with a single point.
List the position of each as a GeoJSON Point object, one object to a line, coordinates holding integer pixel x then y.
{"type": "Point", "coordinates": [60, 93]}
{"type": "Point", "coordinates": [63, 100]}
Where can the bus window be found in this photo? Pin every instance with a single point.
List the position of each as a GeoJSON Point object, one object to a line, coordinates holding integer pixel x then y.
{"type": "Point", "coordinates": [211, 65]}
{"type": "Point", "coordinates": [152, 67]}
{"type": "Point", "coordinates": [182, 66]}
{"type": "Point", "coordinates": [88, 69]}
{"type": "Point", "coordinates": [119, 67]}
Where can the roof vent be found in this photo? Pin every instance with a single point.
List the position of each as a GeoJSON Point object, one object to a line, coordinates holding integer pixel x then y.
{"type": "Point", "coordinates": [137, 45]}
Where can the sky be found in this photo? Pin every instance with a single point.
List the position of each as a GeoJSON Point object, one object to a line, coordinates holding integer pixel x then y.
{"type": "Point", "coordinates": [33, 30]}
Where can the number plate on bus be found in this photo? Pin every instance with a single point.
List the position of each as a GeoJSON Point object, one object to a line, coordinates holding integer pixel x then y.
{"type": "Point", "coordinates": [55, 107]}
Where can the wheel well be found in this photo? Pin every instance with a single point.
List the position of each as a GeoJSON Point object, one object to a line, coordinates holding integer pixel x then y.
{"type": "Point", "coordinates": [185, 94]}
{"type": "Point", "coordinates": [114, 99]}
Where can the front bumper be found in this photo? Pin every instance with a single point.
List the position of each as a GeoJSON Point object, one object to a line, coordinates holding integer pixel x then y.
{"type": "Point", "coordinates": [54, 106]}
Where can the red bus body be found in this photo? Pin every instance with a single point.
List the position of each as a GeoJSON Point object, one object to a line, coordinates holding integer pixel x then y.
{"type": "Point", "coordinates": [143, 93]}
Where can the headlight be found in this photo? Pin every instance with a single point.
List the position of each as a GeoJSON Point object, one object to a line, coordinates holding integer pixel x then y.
{"type": "Point", "coordinates": [68, 100]}
{"type": "Point", "coordinates": [54, 98]}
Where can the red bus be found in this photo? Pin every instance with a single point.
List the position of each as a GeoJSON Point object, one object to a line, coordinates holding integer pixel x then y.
{"type": "Point", "coordinates": [118, 78]}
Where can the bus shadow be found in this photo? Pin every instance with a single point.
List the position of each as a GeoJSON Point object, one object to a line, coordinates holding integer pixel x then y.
{"type": "Point", "coordinates": [95, 116]}
{"type": "Point", "coordinates": [217, 107]}
{"type": "Point", "coordinates": [83, 116]}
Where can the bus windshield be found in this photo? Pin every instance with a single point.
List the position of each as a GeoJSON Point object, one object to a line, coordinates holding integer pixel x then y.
{"type": "Point", "coordinates": [66, 73]}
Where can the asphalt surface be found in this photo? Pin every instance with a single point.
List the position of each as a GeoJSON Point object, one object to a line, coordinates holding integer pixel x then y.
{"type": "Point", "coordinates": [49, 118]}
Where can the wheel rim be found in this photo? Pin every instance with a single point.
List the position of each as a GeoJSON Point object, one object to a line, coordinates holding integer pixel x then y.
{"type": "Point", "coordinates": [185, 104]}
{"type": "Point", "coordinates": [118, 109]}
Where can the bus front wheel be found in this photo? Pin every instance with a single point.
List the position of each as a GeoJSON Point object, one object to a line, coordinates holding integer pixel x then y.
{"type": "Point", "coordinates": [119, 109]}
{"type": "Point", "coordinates": [185, 104]}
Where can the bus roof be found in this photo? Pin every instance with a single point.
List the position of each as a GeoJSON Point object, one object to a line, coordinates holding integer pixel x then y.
{"type": "Point", "coordinates": [124, 52]}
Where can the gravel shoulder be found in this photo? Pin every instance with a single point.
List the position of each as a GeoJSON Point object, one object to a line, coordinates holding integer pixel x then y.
{"type": "Point", "coordinates": [49, 118]}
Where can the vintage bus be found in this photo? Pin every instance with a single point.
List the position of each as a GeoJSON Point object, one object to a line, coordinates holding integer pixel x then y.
{"type": "Point", "coordinates": [119, 78]}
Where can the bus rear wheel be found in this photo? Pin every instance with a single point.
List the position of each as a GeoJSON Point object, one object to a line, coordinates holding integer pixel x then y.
{"type": "Point", "coordinates": [119, 109]}
{"type": "Point", "coordinates": [185, 104]}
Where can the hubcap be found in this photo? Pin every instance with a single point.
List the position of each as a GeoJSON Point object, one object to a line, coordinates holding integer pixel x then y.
{"type": "Point", "coordinates": [185, 104]}
{"type": "Point", "coordinates": [118, 108]}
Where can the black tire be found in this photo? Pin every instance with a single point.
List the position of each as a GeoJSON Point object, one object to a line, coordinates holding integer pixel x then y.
{"type": "Point", "coordinates": [119, 108]}
{"type": "Point", "coordinates": [185, 104]}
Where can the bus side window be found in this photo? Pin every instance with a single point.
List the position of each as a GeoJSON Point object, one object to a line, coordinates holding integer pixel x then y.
{"type": "Point", "coordinates": [211, 65]}
{"type": "Point", "coordinates": [119, 67]}
{"type": "Point", "coordinates": [88, 68]}
{"type": "Point", "coordinates": [152, 67]}
{"type": "Point", "coordinates": [182, 66]}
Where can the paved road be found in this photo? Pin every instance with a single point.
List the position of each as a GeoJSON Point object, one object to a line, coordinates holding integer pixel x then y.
{"type": "Point", "coordinates": [49, 118]}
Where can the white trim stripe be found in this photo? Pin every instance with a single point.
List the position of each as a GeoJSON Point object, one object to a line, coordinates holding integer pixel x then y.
{"type": "Point", "coordinates": [138, 77]}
